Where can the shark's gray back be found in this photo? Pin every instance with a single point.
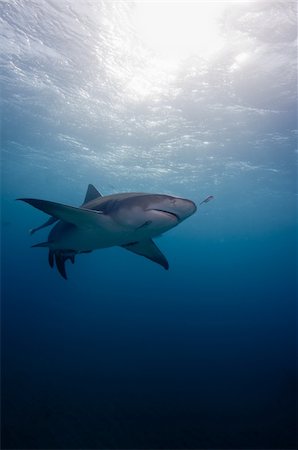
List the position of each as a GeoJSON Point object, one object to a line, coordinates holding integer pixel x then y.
{"type": "Point", "coordinates": [109, 202]}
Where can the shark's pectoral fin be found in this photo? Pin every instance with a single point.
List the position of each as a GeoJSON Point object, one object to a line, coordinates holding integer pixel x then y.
{"type": "Point", "coordinates": [77, 216]}
{"type": "Point", "coordinates": [91, 194]}
{"type": "Point", "coordinates": [148, 249]}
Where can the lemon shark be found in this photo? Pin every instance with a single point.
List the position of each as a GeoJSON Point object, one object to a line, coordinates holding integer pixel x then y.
{"type": "Point", "coordinates": [129, 220]}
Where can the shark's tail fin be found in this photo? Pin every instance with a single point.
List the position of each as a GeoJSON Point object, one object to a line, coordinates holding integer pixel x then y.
{"type": "Point", "coordinates": [60, 263]}
{"type": "Point", "coordinates": [58, 257]}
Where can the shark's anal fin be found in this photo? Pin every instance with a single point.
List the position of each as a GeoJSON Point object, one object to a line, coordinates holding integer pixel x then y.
{"type": "Point", "coordinates": [148, 249]}
{"type": "Point", "coordinates": [91, 194]}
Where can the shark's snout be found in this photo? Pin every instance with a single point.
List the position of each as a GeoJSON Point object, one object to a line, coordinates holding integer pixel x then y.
{"type": "Point", "coordinates": [180, 207]}
{"type": "Point", "coordinates": [188, 207]}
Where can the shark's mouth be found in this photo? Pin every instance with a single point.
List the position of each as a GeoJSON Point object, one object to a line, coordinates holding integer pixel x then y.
{"type": "Point", "coordinates": [169, 213]}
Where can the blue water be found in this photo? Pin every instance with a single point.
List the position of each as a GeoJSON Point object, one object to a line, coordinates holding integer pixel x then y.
{"type": "Point", "coordinates": [123, 354]}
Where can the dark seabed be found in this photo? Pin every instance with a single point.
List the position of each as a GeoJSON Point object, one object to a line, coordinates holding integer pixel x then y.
{"type": "Point", "coordinates": [129, 97]}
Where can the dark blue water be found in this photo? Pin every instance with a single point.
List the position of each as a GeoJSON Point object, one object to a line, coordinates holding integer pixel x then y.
{"type": "Point", "coordinates": [123, 354]}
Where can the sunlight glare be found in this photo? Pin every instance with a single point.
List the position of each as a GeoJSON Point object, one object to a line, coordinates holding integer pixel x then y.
{"type": "Point", "coordinates": [177, 30]}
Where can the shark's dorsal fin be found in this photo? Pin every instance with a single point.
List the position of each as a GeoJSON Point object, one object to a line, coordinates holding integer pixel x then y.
{"type": "Point", "coordinates": [91, 194]}
{"type": "Point", "coordinates": [148, 249]}
{"type": "Point", "coordinates": [76, 216]}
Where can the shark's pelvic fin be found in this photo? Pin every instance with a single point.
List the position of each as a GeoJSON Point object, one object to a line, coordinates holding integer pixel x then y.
{"type": "Point", "coordinates": [91, 194]}
{"type": "Point", "coordinates": [148, 249]}
{"type": "Point", "coordinates": [77, 216]}
{"type": "Point", "coordinates": [49, 222]}
{"type": "Point", "coordinates": [42, 244]}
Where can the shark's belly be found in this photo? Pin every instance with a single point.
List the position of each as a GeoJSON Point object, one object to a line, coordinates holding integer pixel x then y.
{"type": "Point", "coordinates": [86, 240]}
{"type": "Point", "coordinates": [68, 237]}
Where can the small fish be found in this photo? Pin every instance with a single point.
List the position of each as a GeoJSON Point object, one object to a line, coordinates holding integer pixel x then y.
{"type": "Point", "coordinates": [211, 197]}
